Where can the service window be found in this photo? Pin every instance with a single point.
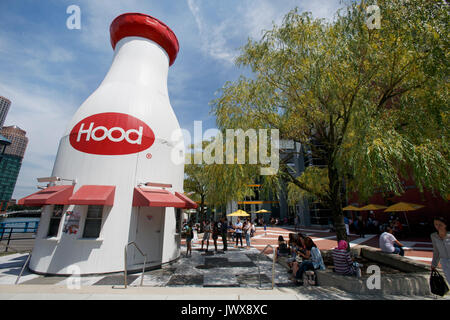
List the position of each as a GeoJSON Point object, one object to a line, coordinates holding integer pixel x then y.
{"type": "Point", "coordinates": [55, 220]}
{"type": "Point", "coordinates": [93, 222]}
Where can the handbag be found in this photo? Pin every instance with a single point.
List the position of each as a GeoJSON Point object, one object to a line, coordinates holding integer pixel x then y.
{"type": "Point", "coordinates": [437, 284]}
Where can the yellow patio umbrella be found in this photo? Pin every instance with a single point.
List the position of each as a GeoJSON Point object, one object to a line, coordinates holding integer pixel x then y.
{"type": "Point", "coordinates": [372, 207]}
{"type": "Point", "coordinates": [404, 206]}
{"type": "Point", "coordinates": [351, 208]}
{"type": "Point", "coordinates": [239, 213]}
{"type": "Point", "coordinates": [262, 211]}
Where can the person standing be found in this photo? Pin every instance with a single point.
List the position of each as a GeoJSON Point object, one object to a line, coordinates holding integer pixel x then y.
{"type": "Point", "coordinates": [389, 244]}
{"type": "Point", "coordinates": [189, 235]}
{"type": "Point", "coordinates": [215, 234]}
{"type": "Point", "coordinates": [206, 234]}
{"type": "Point", "coordinates": [361, 227]}
{"type": "Point", "coordinates": [441, 246]}
{"type": "Point", "coordinates": [398, 228]}
{"type": "Point", "coordinates": [356, 225]}
{"type": "Point", "coordinates": [247, 232]}
{"type": "Point", "coordinates": [238, 232]}
{"type": "Point", "coordinates": [347, 225]}
{"type": "Point", "coordinates": [224, 232]}
{"type": "Point", "coordinates": [252, 230]}
{"type": "Point", "coordinates": [231, 230]}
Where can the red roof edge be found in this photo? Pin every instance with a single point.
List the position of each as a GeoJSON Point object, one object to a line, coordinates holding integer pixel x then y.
{"type": "Point", "coordinates": [50, 195]}
{"type": "Point", "coordinates": [189, 203]}
{"type": "Point", "coordinates": [94, 195]}
{"type": "Point", "coordinates": [156, 198]}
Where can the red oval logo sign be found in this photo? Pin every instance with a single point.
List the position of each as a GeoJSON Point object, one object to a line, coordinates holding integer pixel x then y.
{"type": "Point", "coordinates": [111, 133]}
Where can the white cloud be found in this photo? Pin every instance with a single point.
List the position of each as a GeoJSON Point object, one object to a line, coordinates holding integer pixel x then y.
{"type": "Point", "coordinates": [222, 35]}
{"type": "Point", "coordinates": [58, 54]}
{"type": "Point", "coordinates": [213, 36]}
{"type": "Point", "coordinates": [97, 17]}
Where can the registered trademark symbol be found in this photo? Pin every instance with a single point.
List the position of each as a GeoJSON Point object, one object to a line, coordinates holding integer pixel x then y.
{"type": "Point", "coordinates": [149, 155]}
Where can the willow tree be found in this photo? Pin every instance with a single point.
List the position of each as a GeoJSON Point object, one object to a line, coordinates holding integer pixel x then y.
{"type": "Point", "coordinates": [216, 184]}
{"type": "Point", "coordinates": [370, 103]}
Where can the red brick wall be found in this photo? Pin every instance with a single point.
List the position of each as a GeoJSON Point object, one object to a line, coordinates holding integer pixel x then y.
{"type": "Point", "coordinates": [435, 205]}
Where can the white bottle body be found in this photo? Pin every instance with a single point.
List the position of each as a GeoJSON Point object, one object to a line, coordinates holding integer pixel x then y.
{"type": "Point", "coordinates": [136, 86]}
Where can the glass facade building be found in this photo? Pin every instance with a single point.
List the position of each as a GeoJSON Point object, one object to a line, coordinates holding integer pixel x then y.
{"type": "Point", "coordinates": [11, 162]}
{"type": "Point", "coordinates": [9, 171]}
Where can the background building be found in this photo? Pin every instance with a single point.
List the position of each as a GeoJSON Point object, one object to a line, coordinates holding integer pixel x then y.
{"type": "Point", "coordinates": [297, 157]}
{"type": "Point", "coordinates": [4, 108]}
{"type": "Point", "coordinates": [11, 162]}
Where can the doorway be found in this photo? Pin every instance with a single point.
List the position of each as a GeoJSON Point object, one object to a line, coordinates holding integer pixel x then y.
{"type": "Point", "coordinates": [149, 232]}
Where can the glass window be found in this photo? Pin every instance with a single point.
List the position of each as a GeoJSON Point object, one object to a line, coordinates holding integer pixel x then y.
{"type": "Point", "coordinates": [93, 223]}
{"type": "Point", "coordinates": [55, 220]}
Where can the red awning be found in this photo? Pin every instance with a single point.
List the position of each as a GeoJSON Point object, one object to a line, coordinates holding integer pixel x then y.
{"type": "Point", "coordinates": [50, 195]}
{"type": "Point", "coordinates": [94, 195]}
{"type": "Point", "coordinates": [189, 203]}
{"type": "Point", "coordinates": [146, 197]}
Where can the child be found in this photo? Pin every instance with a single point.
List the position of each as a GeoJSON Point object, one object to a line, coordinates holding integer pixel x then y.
{"type": "Point", "coordinates": [189, 236]}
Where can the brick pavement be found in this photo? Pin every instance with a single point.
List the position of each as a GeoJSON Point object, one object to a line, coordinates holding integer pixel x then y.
{"type": "Point", "coordinates": [421, 248]}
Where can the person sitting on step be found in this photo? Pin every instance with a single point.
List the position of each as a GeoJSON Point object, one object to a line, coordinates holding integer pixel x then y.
{"type": "Point", "coordinates": [313, 261]}
{"type": "Point", "coordinates": [343, 263]}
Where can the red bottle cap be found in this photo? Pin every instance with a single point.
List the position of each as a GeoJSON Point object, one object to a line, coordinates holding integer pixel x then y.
{"type": "Point", "coordinates": [142, 25]}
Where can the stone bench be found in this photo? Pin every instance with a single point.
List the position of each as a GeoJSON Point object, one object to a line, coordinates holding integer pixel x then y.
{"type": "Point", "coordinates": [390, 284]}
{"type": "Point", "coordinates": [414, 279]}
{"type": "Point", "coordinates": [394, 260]}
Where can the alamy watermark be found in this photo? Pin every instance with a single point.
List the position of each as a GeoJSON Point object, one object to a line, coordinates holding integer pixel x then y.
{"type": "Point", "coordinates": [373, 20]}
{"type": "Point", "coordinates": [374, 281]}
{"type": "Point", "coordinates": [74, 281]}
{"type": "Point", "coordinates": [74, 20]}
{"type": "Point", "coordinates": [231, 147]}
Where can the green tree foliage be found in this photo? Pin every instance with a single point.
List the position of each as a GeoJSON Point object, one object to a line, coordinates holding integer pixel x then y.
{"type": "Point", "coordinates": [216, 184]}
{"type": "Point", "coordinates": [370, 104]}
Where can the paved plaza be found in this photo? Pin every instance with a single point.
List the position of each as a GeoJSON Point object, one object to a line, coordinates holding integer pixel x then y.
{"type": "Point", "coordinates": [421, 249]}
{"type": "Point", "coordinates": [229, 276]}
{"type": "Point", "coordinates": [233, 268]}
{"type": "Point", "coordinates": [236, 274]}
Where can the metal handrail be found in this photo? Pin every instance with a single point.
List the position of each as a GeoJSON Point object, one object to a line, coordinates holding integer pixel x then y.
{"type": "Point", "coordinates": [125, 265]}
{"type": "Point", "coordinates": [23, 268]}
{"type": "Point", "coordinates": [273, 265]}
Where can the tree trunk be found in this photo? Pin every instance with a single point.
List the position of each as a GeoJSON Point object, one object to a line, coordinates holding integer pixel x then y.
{"type": "Point", "coordinates": [336, 204]}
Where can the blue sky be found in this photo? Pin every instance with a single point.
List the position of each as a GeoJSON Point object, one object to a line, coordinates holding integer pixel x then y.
{"type": "Point", "coordinates": [47, 70]}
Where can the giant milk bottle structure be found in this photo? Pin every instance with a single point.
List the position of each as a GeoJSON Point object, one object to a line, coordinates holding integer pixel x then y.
{"type": "Point", "coordinates": [118, 173]}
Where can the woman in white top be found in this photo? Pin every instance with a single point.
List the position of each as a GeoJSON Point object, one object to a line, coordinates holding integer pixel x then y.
{"type": "Point", "coordinates": [247, 229]}
{"type": "Point", "coordinates": [441, 246]}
